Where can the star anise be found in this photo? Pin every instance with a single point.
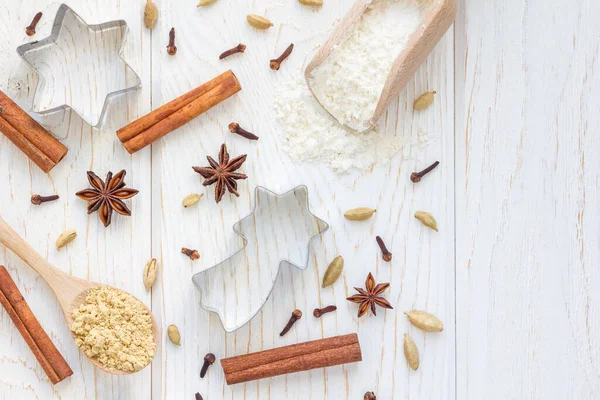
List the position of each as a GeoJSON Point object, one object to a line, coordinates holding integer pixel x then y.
{"type": "Point", "coordinates": [107, 196]}
{"type": "Point", "coordinates": [222, 173]}
{"type": "Point", "coordinates": [369, 298]}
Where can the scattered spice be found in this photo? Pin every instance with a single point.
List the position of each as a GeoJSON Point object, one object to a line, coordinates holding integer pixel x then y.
{"type": "Point", "coordinates": [174, 336]}
{"type": "Point", "coordinates": [424, 101]}
{"type": "Point", "coordinates": [411, 352]}
{"type": "Point", "coordinates": [370, 396]}
{"type": "Point", "coordinates": [416, 176]}
{"type": "Point", "coordinates": [370, 297]}
{"type": "Point", "coordinates": [296, 315]}
{"type": "Point", "coordinates": [37, 199]}
{"type": "Point", "coordinates": [107, 196]}
{"type": "Point", "coordinates": [311, 2]}
{"type": "Point", "coordinates": [427, 220]}
{"type": "Point", "coordinates": [333, 271]}
{"type": "Point", "coordinates": [223, 173]}
{"type": "Point", "coordinates": [385, 253]}
{"type": "Point", "coordinates": [240, 48]}
{"type": "Point", "coordinates": [30, 30]}
{"type": "Point", "coordinates": [234, 127]}
{"type": "Point", "coordinates": [191, 199]}
{"type": "Point", "coordinates": [204, 3]}
{"type": "Point", "coordinates": [65, 238]}
{"type": "Point", "coordinates": [199, 396]}
{"type": "Point", "coordinates": [359, 214]}
{"type": "Point", "coordinates": [171, 48]}
{"type": "Point", "coordinates": [425, 321]}
{"type": "Point", "coordinates": [114, 328]}
{"type": "Point", "coordinates": [258, 22]}
{"type": "Point", "coordinates": [276, 63]}
{"type": "Point", "coordinates": [192, 254]}
{"type": "Point", "coordinates": [209, 360]}
{"type": "Point", "coordinates": [318, 312]}
{"type": "Point", "coordinates": [150, 273]}
{"type": "Point", "coordinates": [150, 14]}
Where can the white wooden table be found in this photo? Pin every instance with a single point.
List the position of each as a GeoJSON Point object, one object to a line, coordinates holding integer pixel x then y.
{"type": "Point", "coordinates": [512, 273]}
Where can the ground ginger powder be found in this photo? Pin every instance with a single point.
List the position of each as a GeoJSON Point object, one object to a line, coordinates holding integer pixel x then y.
{"type": "Point", "coordinates": [114, 328]}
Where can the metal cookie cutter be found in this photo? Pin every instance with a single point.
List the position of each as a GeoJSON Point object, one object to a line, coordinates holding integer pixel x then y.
{"type": "Point", "coordinates": [278, 232]}
{"type": "Point", "coordinates": [79, 66]}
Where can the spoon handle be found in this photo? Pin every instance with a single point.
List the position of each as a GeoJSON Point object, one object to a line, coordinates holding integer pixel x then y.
{"type": "Point", "coordinates": [14, 242]}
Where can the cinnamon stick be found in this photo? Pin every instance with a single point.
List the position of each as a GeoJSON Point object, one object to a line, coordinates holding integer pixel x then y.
{"type": "Point", "coordinates": [29, 136]}
{"type": "Point", "coordinates": [178, 112]}
{"type": "Point", "coordinates": [52, 362]}
{"type": "Point", "coordinates": [295, 358]}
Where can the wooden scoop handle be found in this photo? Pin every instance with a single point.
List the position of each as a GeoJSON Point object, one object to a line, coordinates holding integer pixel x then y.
{"type": "Point", "coordinates": [55, 278]}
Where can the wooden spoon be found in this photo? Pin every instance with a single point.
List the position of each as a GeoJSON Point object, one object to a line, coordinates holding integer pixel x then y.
{"type": "Point", "coordinates": [436, 22]}
{"type": "Point", "coordinates": [69, 290]}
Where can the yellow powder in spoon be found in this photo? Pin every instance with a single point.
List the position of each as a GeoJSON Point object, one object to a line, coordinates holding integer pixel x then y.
{"type": "Point", "coordinates": [114, 328]}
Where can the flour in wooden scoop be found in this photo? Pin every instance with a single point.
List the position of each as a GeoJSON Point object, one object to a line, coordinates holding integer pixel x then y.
{"type": "Point", "coordinates": [349, 82]}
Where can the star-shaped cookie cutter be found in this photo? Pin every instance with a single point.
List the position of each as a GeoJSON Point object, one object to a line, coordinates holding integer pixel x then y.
{"type": "Point", "coordinates": [79, 66]}
{"type": "Point", "coordinates": [279, 231]}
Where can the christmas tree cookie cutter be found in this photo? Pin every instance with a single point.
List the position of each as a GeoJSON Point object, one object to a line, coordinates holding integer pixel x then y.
{"type": "Point", "coordinates": [79, 66]}
{"type": "Point", "coordinates": [278, 232]}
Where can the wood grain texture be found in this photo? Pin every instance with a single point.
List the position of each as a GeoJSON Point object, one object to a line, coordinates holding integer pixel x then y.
{"type": "Point", "coordinates": [527, 174]}
{"type": "Point", "coordinates": [421, 274]}
{"type": "Point", "coordinates": [116, 255]}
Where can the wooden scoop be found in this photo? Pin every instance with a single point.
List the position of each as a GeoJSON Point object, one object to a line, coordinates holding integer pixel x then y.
{"type": "Point", "coordinates": [436, 22]}
{"type": "Point", "coordinates": [69, 290]}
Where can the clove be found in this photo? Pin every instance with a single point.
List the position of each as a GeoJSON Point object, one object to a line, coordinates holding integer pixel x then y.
{"type": "Point", "coordinates": [234, 127]}
{"type": "Point", "coordinates": [199, 396]}
{"type": "Point", "coordinates": [240, 48]}
{"type": "Point", "coordinates": [320, 311]}
{"type": "Point", "coordinates": [37, 199]}
{"type": "Point", "coordinates": [192, 254]}
{"type": "Point", "coordinates": [276, 63]}
{"type": "Point", "coordinates": [30, 30]}
{"type": "Point", "coordinates": [416, 176]}
{"type": "Point", "coordinates": [209, 360]}
{"type": "Point", "coordinates": [386, 255]}
{"type": "Point", "coordinates": [171, 48]}
{"type": "Point", "coordinates": [296, 315]}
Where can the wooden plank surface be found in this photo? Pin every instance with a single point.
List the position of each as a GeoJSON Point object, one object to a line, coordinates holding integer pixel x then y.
{"type": "Point", "coordinates": [517, 86]}
{"type": "Point", "coordinates": [115, 255]}
{"type": "Point", "coordinates": [528, 316]}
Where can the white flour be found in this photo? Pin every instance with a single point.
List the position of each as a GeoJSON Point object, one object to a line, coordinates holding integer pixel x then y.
{"type": "Point", "coordinates": [349, 82]}
{"type": "Point", "coordinates": [311, 134]}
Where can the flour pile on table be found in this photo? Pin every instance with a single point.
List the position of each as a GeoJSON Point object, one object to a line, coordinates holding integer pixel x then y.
{"type": "Point", "coordinates": [311, 134]}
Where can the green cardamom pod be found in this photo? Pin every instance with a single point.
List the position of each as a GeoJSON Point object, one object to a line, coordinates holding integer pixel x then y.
{"type": "Point", "coordinates": [359, 214]}
{"type": "Point", "coordinates": [150, 273]}
{"type": "Point", "coordinates": [65, 237]}
{"type": "Point", "coordinates": [424, 101]}
{"type": "Point", "coordinates": [333, 271]}
{"type": "Point", "coordinates": [174, 335]}
{"type": "Point", "coordinates": [427, 220]}
{"type": "Point", "coordinates": [204, 3]}
{"type": "Point", "coordinates": [411, 352]}
{"type": "Point", "coordinates": [150, 14]}
{"type": "Point", "coordinates": [425, 321]}
{"type": "Point", "coordinates": [191, 199]}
